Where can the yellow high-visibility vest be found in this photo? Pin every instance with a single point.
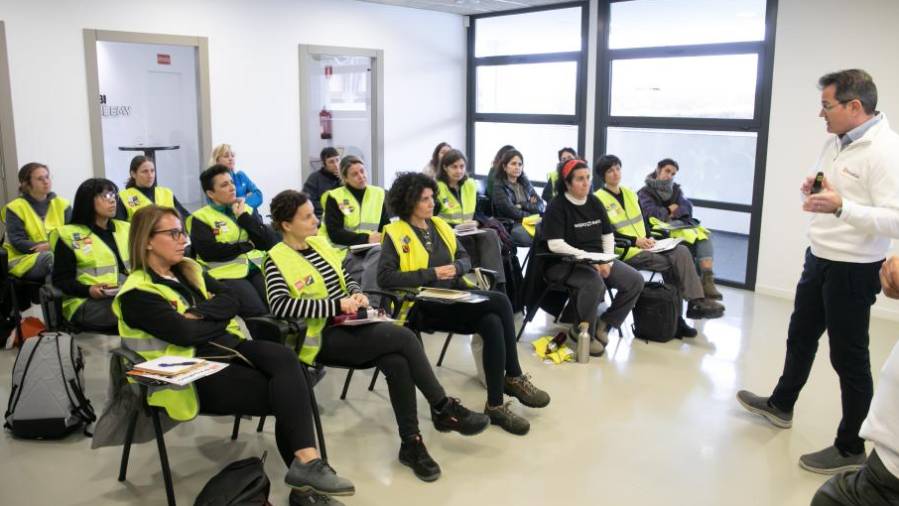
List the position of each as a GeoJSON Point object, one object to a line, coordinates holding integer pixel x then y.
{"type": "Point", "coordinates": [627, 220]}
{"type": "Point", "coordinates": [134, 199]}
{"type": "Point", "coordinates": [38, 230]}
{"type": "Point", "coordinates": [226, 230]}
{"type": "Point", "coordinates": [364, 218]}
{"type": "Point", "coordinates": [452, 210]}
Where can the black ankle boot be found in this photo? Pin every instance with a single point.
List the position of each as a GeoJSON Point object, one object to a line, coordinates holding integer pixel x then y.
{"type": "Point", "coordinates": [414, 454]}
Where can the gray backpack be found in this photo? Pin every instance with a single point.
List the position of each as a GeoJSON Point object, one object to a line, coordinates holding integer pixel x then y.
{"type": "Point", "coordinates": [47, 399]}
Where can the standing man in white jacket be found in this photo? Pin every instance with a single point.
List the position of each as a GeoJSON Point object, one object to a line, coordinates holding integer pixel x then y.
{"type": "Point", "coordinates": [855, 213]}
{"type": "Point", "coordinates": [877, 482]}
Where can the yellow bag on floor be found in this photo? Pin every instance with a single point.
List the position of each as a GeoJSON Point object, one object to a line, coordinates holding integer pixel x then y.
{"type": "Point", "coordinates": [562, 354]}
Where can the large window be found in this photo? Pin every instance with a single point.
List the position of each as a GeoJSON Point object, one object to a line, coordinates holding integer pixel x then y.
{"type": "Point", "coordinates": [691, 80]}
{"type": "Point", "coordinates": [527, 85]}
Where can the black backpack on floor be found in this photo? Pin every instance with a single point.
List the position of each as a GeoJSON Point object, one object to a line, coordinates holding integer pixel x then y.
{"type": "Point", "coordinates": [240, 483]}
{"type": "Point", "coordinates": [656, 313]}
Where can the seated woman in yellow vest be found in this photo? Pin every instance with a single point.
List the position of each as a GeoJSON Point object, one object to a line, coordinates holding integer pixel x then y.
{"type": "Point", "coordinates": [166, 308]}
{"type": "Point", "coordinates": [91, 257]}
{"type": "Point", "coordinates": [305, 280]}
{"type": "Point", "coordinates": [676, 265]}
{"type": "Point", "coordinates": [664, 204]}
{"type": "Point", "coordinates": [419, 250]}
{"type": "Point", "coordinates": [231, 241]}
{"type": "Point", "coordinates": [355, 214]}
{"type": "Point", "coordinates": [514, 198]}
{"type": "Point", "coordinates": [457, 199]}
{"type": "Point", "coordinates": [141, 190]}
{"type": "Point", "coordinates": [552, 177]}
{"type": "Point", "coordinates": [29, 220]}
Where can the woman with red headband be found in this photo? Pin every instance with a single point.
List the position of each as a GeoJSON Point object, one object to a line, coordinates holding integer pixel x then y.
{"type": "Point", "coordinates": [576, 223]}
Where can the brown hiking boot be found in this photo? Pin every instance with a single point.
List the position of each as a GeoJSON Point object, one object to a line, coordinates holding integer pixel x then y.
{"type": "Point", "coordinates": [708, 286]}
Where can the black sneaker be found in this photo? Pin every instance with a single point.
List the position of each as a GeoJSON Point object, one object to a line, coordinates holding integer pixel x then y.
{"type": "Point", "coordinates": [505, 418]}
{"type": "Point", "coordinates": [456, 417]}
{"type": "Point", "coordinates": [684, 330]}
{"type": "Point", "coordinates": [298, 498]}
{"type": "Point", "coordinates": [414, 454]}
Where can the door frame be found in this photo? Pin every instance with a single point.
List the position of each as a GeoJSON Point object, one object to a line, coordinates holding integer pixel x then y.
{"type": "Point", "coordinates": [376, 164]}
{"type": "Point", "coordinates": [91, 37]}
{"type": "Point", "coordinates": [10, 179]}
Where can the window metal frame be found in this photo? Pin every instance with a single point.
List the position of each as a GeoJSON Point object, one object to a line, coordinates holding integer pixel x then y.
{"type": "Point", "coordinates": [579, 118]}
{"type": "Point", "coordinates": [758, 124]}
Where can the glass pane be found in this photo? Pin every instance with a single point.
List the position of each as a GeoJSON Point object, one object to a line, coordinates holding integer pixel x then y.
{"type": "Point", "coordinates": [652, 23]}
{"type": "Point", "coordinates": [692, 87]}
{"type": "Point", "coordinates": [536, 88]}
{"type": "Point", "coordinates": [713, 165]}
{"type": "Point", "coordinates": [539, 144]}
{"type": "Point", "coordinates": [550, 31]}
{"type": "Point", "coordinates": [730, 238]}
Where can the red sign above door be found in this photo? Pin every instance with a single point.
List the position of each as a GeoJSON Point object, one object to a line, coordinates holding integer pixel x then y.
{"type": "Point", "coordinates": [163, 59]}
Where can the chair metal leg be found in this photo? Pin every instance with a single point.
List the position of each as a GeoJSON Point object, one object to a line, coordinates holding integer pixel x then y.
{"type": "Point", "coordinates": [316, 418]}
{"type": "Point", "coordinates": [126, 448]}
{"type": "Point", "coordinates": [443, 351]}
{"type": "Point", "coordinates": [346, 384]}
{"type": "Point", "coordinates": [236, 427]}
{"type": "Point", "coordinates": [529, 315]}
{"type": "Point", "coordinates": [261, 424]}
{"type": "Point", "coordinates": [374, 379]}
{"type": "Point", "coordinates": [163, 458]}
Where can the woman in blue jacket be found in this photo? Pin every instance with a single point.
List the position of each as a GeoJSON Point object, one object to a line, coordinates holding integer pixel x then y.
{"type": "Point", "coordinates": [246, 189]}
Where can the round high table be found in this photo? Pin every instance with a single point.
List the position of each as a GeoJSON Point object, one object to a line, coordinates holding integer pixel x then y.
{"type": "Point", "coordinates": [149, 151]}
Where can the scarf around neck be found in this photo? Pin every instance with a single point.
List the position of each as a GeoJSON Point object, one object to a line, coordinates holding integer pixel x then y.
{"type": "Point", "coordinates": [664, 189]}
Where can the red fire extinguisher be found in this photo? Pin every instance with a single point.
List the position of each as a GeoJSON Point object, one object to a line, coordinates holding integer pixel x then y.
{"type": "Point", "coordinates": [324, 121]}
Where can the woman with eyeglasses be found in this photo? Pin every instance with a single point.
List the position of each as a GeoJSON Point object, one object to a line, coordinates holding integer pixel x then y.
{"type": "Point", "coordinates": [304, 279]}
{"type": "Point", "coordinates": [91, 257]}
{"type": "Point", "coordinates": [29, 220]}
{"type": "Point", "coordinates": [420, 250]}
{"type": "Point", "coordinates": [141, 190]}
{"type": "Point", "coordinates": [169, 307]}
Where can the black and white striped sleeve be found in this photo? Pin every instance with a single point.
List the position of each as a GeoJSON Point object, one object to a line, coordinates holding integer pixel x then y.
{"type": "Point", "coordinates": [284, 306]}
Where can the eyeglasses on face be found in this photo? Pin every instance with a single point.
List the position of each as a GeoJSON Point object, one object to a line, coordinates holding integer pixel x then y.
{"type": "Point", "coordinates": [110, 196]}
{"type": "Point", "coordinates": [174, 233]}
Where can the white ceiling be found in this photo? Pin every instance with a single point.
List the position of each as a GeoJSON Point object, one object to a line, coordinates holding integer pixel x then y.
{"type": "Point", "coordinates": [468, 7]}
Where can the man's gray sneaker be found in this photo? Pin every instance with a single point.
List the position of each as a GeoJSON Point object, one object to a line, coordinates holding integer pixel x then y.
{"type": "Point", "coordinates": [317, 476]}
{"type": "Point", "coordinates": [596, 348]}
{"type": "Point", "coordinates": [760, 406]}
{"type": "Point", "coordinates": [831, 461]}
{"type": "Point", "coordinates": [310, 498]}
{"type": "Point", "coordinates": [505, 418]}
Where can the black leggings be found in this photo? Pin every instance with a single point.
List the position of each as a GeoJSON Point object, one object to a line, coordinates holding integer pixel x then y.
{"type": "Point", "coordinates": [396, 351]}
{"type": "Point", "coordinates": [493, 320]}
{"type": "Point", "coordinates": [275, 385]}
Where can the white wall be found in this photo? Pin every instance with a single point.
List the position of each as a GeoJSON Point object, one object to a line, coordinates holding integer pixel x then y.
{"type": "Point", "coordinates": [814, 38]}
{"type": "Point", "coordinates": [253, 57]}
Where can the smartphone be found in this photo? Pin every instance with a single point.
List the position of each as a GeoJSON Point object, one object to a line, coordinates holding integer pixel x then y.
{"type": "Point", "coordinates": [819, 180]}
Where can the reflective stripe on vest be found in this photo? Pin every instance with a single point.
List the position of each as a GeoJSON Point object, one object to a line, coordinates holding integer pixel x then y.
{"type": "Point", "coordinates": [627, 221]}
{"type": "Point", "coordinates": [412, 253]}
{"type": "Point", "coordinates": [180, 403]}
{"type": "Point", "coordinates": [95, 262]}
{"type": "Point", "coordinates": [358, 218]}
{"type": "Point", "coordinates": [451, 210]}
{"type": "Point", "coordinates": [304, 281]}
{"type": "Point", "coordinates": [227, 231]}
{"type": "Point", "coordinates": [134, 199]}
{"type": "Point", "coordinates": [689, 235]}
{"type": "Point", "coordinates": [37, 229]}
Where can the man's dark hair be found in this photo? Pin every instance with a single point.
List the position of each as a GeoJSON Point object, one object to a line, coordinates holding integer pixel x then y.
{"type": "Point", "coordinates": [667, 161]}
{"type": "Point", "coordinates": [850, 85]}
{"type": "Point", "coordinates": [406, 192]}
{"type": "Point", "coordinates": [328, 152]}
{"type": "Point", "coordinates": [208, 176]}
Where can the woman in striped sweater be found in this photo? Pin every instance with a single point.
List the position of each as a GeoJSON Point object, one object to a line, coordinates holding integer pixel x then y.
{"type": "Point", "coordinates": [304, 279]}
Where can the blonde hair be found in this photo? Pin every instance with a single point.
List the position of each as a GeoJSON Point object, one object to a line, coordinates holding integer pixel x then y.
{"type": "Point", "coordinates": [143, 223]}
{"type": "Point", "coordinates": [218, 152]}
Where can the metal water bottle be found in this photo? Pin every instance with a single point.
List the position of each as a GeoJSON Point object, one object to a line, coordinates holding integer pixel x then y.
{"type": "Point", "coordinates": [583, 345]}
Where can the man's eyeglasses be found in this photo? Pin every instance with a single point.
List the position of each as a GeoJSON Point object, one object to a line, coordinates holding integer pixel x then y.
{"type": "Point", "coordinates": [828, 107]}
{"type": "Point", "coordinates": [174, 233]}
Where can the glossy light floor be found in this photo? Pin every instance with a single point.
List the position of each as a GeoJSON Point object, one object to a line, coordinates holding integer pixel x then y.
{"type": "Point", "coordinates": [652, 424]}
